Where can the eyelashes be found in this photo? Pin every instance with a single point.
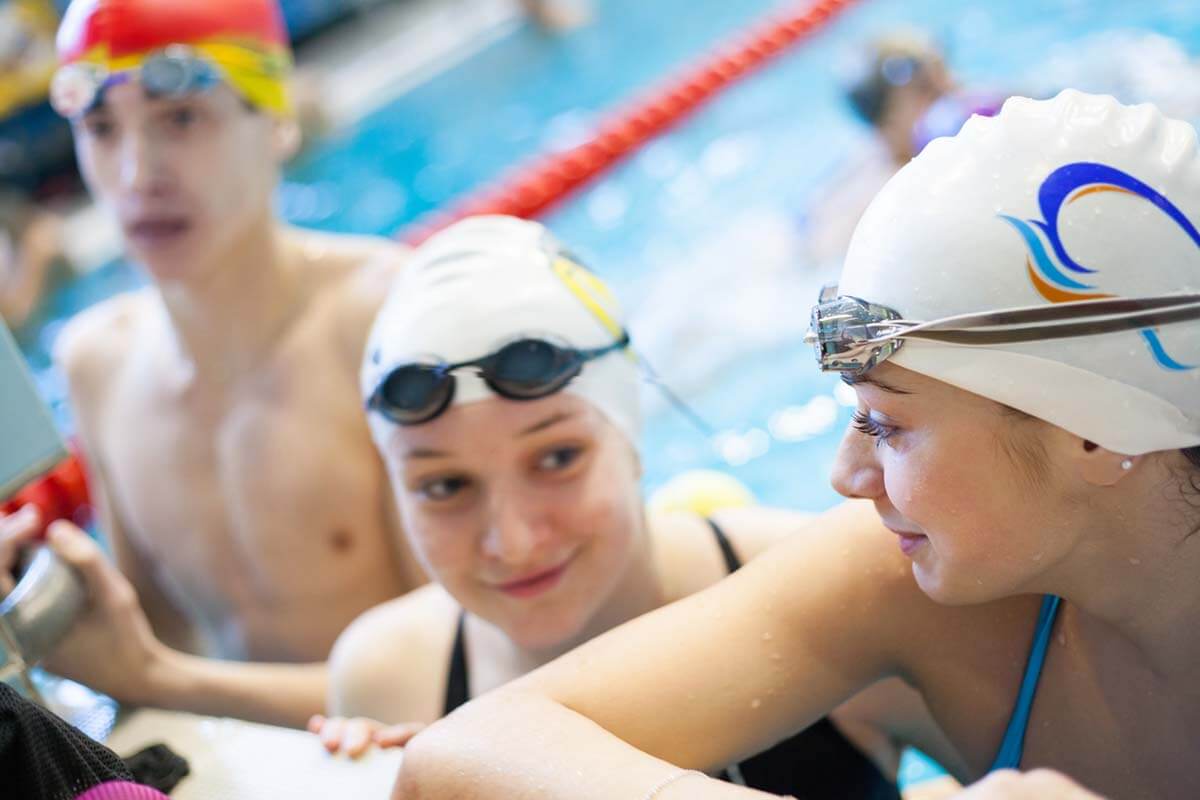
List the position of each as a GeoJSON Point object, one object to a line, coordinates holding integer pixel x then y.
{"type": "Point", "coordinates": [863, 423]}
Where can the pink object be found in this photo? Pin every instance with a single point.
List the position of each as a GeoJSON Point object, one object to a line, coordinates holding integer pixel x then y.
{"type": "Point", "coordinates": [122, 790]}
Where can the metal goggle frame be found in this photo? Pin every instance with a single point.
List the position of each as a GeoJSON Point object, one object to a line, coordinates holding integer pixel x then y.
{"type": "Point", "coordinates": [852, 335]}
{"type": "Point", "coordinates": [174, 72]}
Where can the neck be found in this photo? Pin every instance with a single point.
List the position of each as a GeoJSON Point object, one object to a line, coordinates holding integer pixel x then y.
{"type": "Point", "coordinates": [1136, 586]}
{"type": "Point", "coordinates": [228, 317]}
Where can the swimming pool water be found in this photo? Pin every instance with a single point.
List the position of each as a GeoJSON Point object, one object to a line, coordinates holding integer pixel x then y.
{"type": "Point", "coordinates": [702, 232]}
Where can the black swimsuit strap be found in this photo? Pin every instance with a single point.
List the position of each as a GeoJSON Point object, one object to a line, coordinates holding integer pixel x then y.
{"type": "Point", "coordinates": [458, 688]}
{"type": "Point", "coordinates": [458, 683]}
{"type": "Point", "coordinates": [732, 562]}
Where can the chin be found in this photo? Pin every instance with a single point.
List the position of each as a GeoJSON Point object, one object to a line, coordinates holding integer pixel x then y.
{"type": "Point", "coordinates": [952, 587]}
{"type": "Point", "coordinates": [545, 631]}
{"type": "Point", "coordinates": [162, 267]}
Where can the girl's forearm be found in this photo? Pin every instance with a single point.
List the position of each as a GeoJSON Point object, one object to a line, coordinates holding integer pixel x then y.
{"type": "Point", "coordinates": [515, 743]}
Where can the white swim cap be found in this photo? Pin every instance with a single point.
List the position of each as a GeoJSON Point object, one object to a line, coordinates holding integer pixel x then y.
{"type": "Point", "coordinates": [486, 281]}
{"type": "Point", "coordinates": [1052, 201]}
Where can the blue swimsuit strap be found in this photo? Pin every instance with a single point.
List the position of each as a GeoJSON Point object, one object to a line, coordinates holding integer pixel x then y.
{"type": "Point", "coordinates": [1013, 745]}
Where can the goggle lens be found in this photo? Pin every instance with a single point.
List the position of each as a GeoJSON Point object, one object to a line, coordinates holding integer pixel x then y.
{"type": "Point", "coordinates": [531, 368]}
{"type": "Point", "coordinates": [522, 370]}
{"type": "Point", "coordinates": [415, 393]}
{"type": "Point", "coordinates": [172, 73]}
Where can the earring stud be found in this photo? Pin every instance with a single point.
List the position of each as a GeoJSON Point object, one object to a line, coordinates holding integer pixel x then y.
{"type": "Point", "coordinates": [1127, 464]}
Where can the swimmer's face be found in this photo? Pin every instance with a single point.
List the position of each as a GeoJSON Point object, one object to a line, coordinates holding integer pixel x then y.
{"type": "Point", "coordinates": [188, 179]}
{"type": "Point", "coordinates": [985, 498]}
{"type": "Point", "coordinates": [528, 513]}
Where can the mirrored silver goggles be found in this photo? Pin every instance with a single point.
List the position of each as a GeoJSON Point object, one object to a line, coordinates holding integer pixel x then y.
{"type": "Point", "coordinates": [852, 335]}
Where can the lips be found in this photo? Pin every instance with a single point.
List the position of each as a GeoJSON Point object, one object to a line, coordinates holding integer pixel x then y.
{"type": "Point", "coordinates": [157, 231]}
{"type": "Point", "coordinates": [534, 583]}
{"type": "Point", "coordinates": [910, 541]}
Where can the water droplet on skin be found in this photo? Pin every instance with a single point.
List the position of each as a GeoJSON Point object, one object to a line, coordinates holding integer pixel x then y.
{"type": "Point", "coordinates": [1037, 557]}
{"type": "Point", "coordinates": [767, 636]}
{"type": "Point", "coordinates": [776, 657]}
{"type": "Point", "coordinates": [756, 703]}
{"type": "Point", "coordinates": [1135, 561]}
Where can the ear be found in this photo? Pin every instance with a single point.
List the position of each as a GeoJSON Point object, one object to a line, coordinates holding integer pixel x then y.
{"type": "Point", "coordinates": [1101, 467]}
{"type": "Point", "coordinates": [285, 139]}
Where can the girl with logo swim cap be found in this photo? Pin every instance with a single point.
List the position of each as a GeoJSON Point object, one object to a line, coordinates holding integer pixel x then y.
{"type": "Point", "coordinates": [503, 397]}
{"type": "Point", "coordinates": [1019, 315]}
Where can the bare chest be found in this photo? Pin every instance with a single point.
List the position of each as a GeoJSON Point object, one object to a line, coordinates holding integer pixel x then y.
{"type": "Point", "coordinates": [262, 501]}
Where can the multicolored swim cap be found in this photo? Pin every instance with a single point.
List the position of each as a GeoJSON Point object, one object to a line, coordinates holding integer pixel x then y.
{"type": "Point", "coordinates": [246, 40]}
{"type": "Point", "coordinates": [486, 281]}
{"type": "Point", "coordinates": [1053, 201]}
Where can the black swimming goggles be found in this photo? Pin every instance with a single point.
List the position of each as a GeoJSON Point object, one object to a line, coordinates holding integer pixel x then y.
{"type": "Point", "coordinates": [171, 73]}
{"type": "Point", "coordinates": [525, 369]}
{"type": "Point", "coordinates": [851, 335]}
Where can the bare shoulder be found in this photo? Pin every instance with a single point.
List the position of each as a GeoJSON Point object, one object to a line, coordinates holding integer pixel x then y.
{"type": "Point", "coordinates": [688, 551]}
{"type": "Point", "coordinates": [95, 341]}
{"type": "Point", "coordinates": [354, 266]}
{"type": "Point", "coordinates": [685, 552]}
{"type": "Point", "coordinates": [391, 662]}
{"type": "Point", "coordinates": [754, 529]}
{"type": "Point", "coordinates": [353, 275]}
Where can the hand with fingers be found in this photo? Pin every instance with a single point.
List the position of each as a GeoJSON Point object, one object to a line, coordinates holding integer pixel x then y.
{"type": "Point", "coordinates": [1038, 784]}
{"type": "Point", "coordinates": [17, 531]}
{"type": "Point", "coordinates": [111, 647]}
{"type": "Point", "coordinates": [357, 735]}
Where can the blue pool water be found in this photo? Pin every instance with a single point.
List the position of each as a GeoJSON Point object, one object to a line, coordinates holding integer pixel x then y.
{"type": "Point", "coordinates": [702, 232]}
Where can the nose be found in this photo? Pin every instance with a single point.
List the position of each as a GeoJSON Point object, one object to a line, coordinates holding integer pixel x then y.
{"type": "Point", "coordinates": [514, 532]}
{"type": "Point", "coordinates": [856, 470]}
{"type": "Point", "coordinates": [141, 167]}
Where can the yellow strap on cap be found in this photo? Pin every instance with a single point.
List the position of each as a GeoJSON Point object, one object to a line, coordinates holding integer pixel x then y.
{"type": "Point", "coordinates": [259, 74]}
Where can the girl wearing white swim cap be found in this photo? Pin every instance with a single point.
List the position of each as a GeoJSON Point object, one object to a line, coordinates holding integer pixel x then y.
{"type": "Point", "coordinates": [503, 397]}
{"type": "Point", "coordinates": [1019, 316]}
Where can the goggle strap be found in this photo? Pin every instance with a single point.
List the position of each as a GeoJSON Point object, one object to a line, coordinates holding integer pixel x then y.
{"type": "Point", "coordinates": [678, 403]}
{"type": "Point", "coordinates": [1115, 316]}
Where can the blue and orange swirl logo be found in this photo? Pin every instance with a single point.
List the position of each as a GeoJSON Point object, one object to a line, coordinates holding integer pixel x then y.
{"type": "Point", "coordinates": [1061, 279]}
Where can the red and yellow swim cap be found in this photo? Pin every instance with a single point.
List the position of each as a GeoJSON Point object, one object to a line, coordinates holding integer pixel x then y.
{"type": "Point", "coordinates": [245, 39]}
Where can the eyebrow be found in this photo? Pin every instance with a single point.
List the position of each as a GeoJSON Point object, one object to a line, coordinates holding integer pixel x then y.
{"type": "Point", "coordinates": [425, 452]}
{"type": "Point", "coordinates": [855, 380]}
{"type": "Point", "coordinates": [548, 422]}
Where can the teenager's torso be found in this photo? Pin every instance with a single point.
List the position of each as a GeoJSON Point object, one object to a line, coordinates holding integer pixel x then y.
{"type": "Point", "coordinates": [259, 501]}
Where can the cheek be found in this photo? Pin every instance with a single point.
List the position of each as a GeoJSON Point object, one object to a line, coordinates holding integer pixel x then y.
{"type": "Point", "coordinates": [944, 485]}
{"type": "Point", "coordinates": [442, 545]}
{"type": "Point", "coordinates": [609, 513]}
{"type": "Point", "coordinates": [96, 165]}
{"type": "Point", "coordinates": [244, 180]}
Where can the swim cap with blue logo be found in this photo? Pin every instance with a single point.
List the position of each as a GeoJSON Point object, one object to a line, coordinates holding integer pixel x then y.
{"type": "Point", "coordinates": [486, 281]}
{"type": "Point", "coordinates": [1052, 201]}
